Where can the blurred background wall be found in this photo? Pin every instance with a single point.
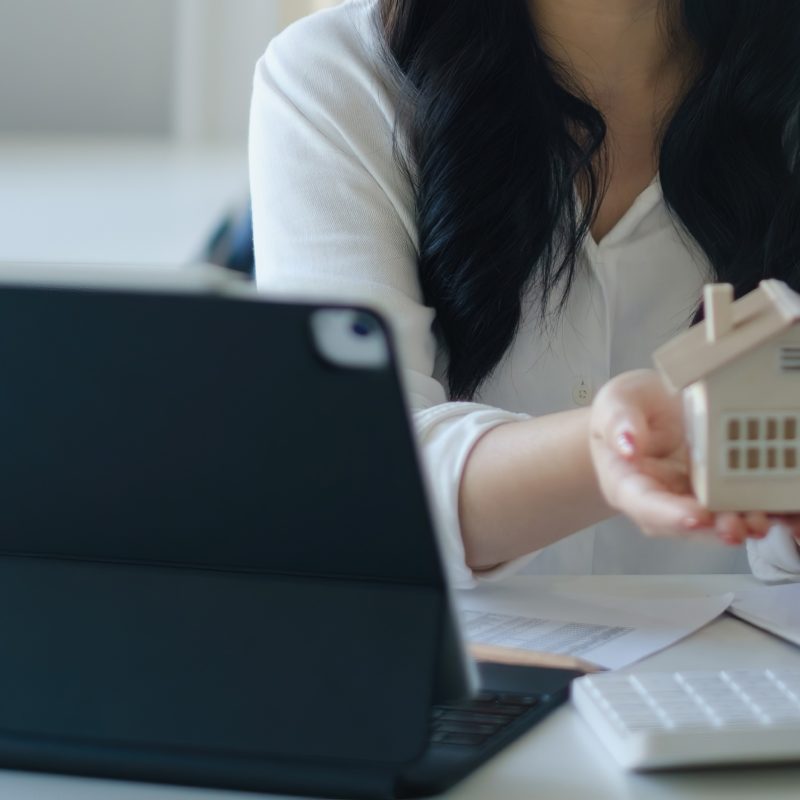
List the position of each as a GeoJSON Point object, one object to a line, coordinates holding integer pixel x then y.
{"type": "Point", "coordinates": [123, 127]}
{"type": "Point", "coordinates": [161, 68]}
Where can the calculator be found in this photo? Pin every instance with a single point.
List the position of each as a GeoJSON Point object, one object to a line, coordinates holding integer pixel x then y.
{"type": "Point", "coordinates": [654, 720]}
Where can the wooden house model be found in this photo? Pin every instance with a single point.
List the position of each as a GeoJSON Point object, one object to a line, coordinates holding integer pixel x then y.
{"type": "Point", "coordinates": [739, 372]}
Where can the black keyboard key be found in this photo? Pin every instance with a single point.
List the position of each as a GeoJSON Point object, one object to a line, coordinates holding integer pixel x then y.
{"type": "Point", "coordinates": [475, 717]}
{"type": "Point", "coordinates": [497, 708]}
{"type": "Point", "coordinates": [529, 700]}
{"type": "Point", "coordinates": [466, 727]}
{"type": "Point", "coordinates": [470, 739]}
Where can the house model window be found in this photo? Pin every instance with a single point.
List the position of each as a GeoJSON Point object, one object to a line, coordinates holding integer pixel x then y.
{"type": "Point", "coordinates": [765, 445]}
{"type": "Point", "coordinates": [740, 373]}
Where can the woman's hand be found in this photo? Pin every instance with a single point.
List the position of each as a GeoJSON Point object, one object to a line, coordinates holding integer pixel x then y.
{"type": "Point", "coordinates": [641, 457]}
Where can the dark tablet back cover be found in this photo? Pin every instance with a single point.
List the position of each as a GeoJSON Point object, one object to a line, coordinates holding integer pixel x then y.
{"type": "Point", "coordinates": [212, 544]}
{"type": "Point", "coordinates": [199, 430]}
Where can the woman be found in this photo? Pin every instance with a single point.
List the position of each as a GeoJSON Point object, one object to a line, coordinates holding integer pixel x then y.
{"type": "Point", "coordinates": [482, 171]}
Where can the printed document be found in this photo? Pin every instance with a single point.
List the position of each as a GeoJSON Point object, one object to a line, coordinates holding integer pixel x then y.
{"type": "Point", "coordinates": [609, 632]}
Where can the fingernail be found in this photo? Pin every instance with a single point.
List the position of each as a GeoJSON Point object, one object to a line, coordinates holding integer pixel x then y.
{"type": "Point", "coordinates": [626, 444]}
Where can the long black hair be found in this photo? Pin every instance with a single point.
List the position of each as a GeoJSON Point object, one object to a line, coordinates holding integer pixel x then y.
{"type": "Point", "coordinates": [498, 140]}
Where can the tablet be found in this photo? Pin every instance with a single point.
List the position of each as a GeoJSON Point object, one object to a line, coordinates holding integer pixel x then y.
{"type": "Point", "coordinates": [218, 564]}
{"type": "Point", "coordinates": [215, 539]}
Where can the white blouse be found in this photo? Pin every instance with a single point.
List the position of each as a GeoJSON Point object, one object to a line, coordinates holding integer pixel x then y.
{"type": "Point", "coordinates": [334, 219]}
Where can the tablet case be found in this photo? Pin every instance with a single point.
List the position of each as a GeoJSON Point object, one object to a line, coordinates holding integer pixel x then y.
{"type": "Point", "coordinates": [217, 565]}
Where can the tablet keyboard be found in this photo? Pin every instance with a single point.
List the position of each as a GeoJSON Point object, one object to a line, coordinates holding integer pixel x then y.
{"type": "Point", "coordinates": [654, 720]}
{"type": "Point", "coordinates": [465, 735]}
{"type": "Point", "coordinates": [476, 721]}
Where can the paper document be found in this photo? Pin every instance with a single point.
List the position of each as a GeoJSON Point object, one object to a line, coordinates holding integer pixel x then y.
{"type": "Point", "coordinates": [610, 632]}
{"type": "Point", "coordinates": [774, 608]}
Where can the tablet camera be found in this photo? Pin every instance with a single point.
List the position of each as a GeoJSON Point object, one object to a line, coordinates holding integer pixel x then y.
{"type": "Point", "coordinates": [350, 338]}
{"type": "Point", "coordinates": [364, 325]}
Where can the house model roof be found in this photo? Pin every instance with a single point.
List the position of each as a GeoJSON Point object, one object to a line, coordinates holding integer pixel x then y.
{"type": "Point", "coordinates": [758, 317]}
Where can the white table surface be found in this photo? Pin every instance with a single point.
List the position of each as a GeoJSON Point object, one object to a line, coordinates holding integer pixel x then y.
{"type": "Point", "coordinates": [114, 201]}
{"type": "Point", "coordinates": [560, 758]}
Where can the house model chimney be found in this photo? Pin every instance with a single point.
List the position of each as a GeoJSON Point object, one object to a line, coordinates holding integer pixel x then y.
{"type": "Point", "coordinates": [718, 300]}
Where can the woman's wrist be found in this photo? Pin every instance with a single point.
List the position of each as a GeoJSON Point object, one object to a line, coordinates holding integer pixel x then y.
{"type": "Point", "coordinates": [526, 485]}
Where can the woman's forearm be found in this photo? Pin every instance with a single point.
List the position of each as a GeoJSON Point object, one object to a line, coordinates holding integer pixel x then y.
{"type": "Point", "coordinates": [526, 485]}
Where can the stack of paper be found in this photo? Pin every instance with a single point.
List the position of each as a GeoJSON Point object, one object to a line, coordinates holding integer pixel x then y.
{"type": "Point", "coordinates": [609, 632]}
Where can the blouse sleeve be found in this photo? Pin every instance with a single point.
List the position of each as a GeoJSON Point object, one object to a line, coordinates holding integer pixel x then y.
{"type": "Point", "coordinates": [333, 219]}
{"type": "Point", "coordinates": [775, 558]}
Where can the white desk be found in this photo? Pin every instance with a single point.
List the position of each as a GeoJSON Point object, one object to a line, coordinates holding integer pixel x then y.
{"type": "Point", "coordinates": [559, 759]}
{"type": "Point", "coordinates": [114, 201]}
